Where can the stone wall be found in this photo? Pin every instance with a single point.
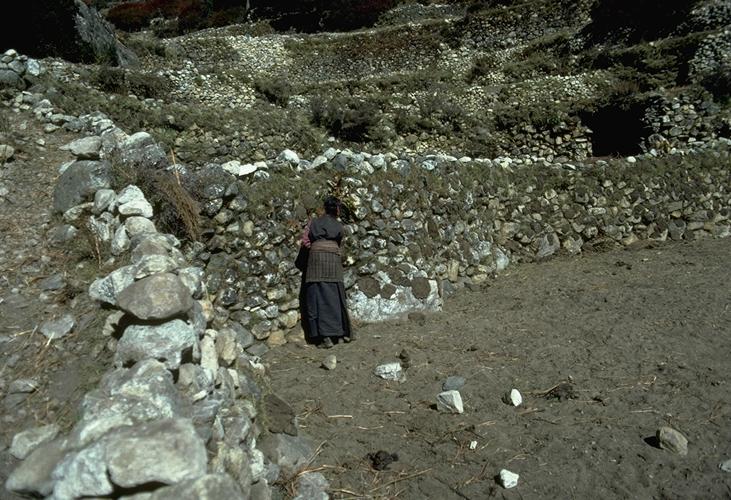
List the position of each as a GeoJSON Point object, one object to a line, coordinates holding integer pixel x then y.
{"type": "Point", "coordinates": [422, 226]}
{"type": "Point", "coordinates": [181, 411]}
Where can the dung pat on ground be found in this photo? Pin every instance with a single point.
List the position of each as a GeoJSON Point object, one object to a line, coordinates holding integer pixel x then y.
{"type": "Point", "coordinates": [605, 349]}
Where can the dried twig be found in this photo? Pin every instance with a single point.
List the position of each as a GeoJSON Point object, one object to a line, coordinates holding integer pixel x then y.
{"type": "Point", "coordinates": [397, 480]}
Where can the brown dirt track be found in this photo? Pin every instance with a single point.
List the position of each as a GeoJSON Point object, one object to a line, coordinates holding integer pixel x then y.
{"type": "Point", "coordinates": [643, 335]}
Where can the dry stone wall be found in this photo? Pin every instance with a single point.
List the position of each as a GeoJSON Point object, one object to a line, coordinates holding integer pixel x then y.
{"type": "Point", "coordinates": [176, 384]}
{"type": "Point", "coordinates": [420, 227]}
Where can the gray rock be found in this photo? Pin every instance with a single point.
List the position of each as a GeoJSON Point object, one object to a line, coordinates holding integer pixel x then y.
{"type": "Point", "coordinates": [127, 397]}
{"type": "Point", "coordinates": [453, 383]}
{"type": "Point", "coordinates": [53, 283]}
{"type": "Point", "coordinates": [58, 328]}
{"type": "Point", "coordinates": [725, 466]}
{"type": "Point", "coordinates": [83, 474]}
{"type": "Point", "coordinates": [34, 474]}
{"type": "Point", "coordinates": [159, 296]}
{"type": "Point", "coordinates": [450, 402]}
{"type": "Point", "coordinates": [78, 182]}
{"type": "Point", "coordinates": [280, 415]}
{"type": "Point", "coordinates": [208, 487]}
{"type": "Point", "coordinates": [226, 347]}
{"type": "Point", "coordinates": [288, 452]}
{"type": "Point", "coordinates": [136, 226]}
{"type": "Point", "coordinates": [131, 201]}
{"type": "Point", "coordinates": [137, 153]}
{"type": "Point", "coordinates": [260, 490]}
{"type": "Point", "coordinates": [23, 386]}
{"type": "Point", "coordinates": [164, 451]}
{"type": "Point", "coordinates": [120, 241]}
{"type": "Point", "coordinates": [166, 343]}
{"type": "Point", "coordinates": [676, 228]}
{"type": "Point", "coordinates": [86, 148]}
{"type": "Point", "coordinates": [107, 289]}
{"type": "Point", "coordinates": [103, 200]}
{"type": "Point", "coordinates": [27, 441]}
{"type": "Point", "coordinates": [61, 234]}
{"type": "Point", "coordinates": [233, 461]}
{"type": "Point", "coordinates": [192, 278]}
{"type": "Point", "coordinates": [312, 486]}
{"type": "Point", "coordinates": [154, 264]}
{"type": "Point", "coordinates": [258, 349]}
{"type": "Point", "coordinates": [11, 79]}
{"type": "Point", "coordinates": [6, 153]}
{"type": "Point", "coordinates": [548, 245]}
{"type": "Point", "coordinates": [672, 440]}
{"type": "Point", "coordinates": [98, 38]}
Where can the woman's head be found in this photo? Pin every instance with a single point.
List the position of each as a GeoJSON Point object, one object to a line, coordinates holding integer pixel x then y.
{"type": "Point", "coordinates": [332, 206]}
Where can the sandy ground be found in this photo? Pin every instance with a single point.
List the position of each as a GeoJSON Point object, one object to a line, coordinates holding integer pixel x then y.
{"type": "Point", "coordinates": [643, 337]}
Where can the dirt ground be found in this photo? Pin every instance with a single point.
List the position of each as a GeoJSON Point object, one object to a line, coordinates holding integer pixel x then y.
{"type": "Point", "coordinates": [642, 336]}
{"type": "Point", "coordinates": [65, 369]}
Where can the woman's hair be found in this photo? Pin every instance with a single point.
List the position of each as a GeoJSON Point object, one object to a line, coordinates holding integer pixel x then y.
{"type": "Point", "coordinates": [332, 205]}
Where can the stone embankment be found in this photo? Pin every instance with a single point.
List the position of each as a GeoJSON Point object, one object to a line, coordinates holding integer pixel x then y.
{"type": "Point", "coordinates": [176, 384]}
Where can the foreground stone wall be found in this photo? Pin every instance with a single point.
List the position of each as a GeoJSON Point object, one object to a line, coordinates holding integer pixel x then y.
{"type": "Point", "coordinates": [181, 411]}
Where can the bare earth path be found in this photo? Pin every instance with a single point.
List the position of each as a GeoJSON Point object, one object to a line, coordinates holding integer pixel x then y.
{"type": "Point", "coordinates": [643, 337]}
{"type": "Point", "coordinates": [38, 283]}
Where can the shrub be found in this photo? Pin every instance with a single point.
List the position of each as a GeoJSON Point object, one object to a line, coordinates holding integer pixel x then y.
{"type": "Point", "coordinates": [350, 119]}
{"type": "Point", "coordinates": [718, 82]}
{"type": "Point", "coordinates": [544, 116]}
{"type": "Point", "coordinates": [276, 90]}
{"type": "Point", "coordinates": [176, 210]}
{"type": "Point", "coordinates": [119, 81]}
{"type": "Point", "coordinates": [481, 66]}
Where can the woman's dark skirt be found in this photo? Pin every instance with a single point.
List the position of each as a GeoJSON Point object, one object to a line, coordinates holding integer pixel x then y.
{"type": "Point", "coordinates": [326, 313]}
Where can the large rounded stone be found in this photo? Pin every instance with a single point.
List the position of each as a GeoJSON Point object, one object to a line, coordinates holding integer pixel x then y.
{"type": "Point", "coordinates": [165, 451]}
{"type": "Point", "coordinates": [78, 182]}
{"type": "Point", "coordinates": [159, 296]}
{"type": "Point", "coordinates": [166, 343]}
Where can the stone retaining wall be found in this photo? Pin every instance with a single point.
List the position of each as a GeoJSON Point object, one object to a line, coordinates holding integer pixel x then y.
{"type": "Point", "coordinates": [181, 411]}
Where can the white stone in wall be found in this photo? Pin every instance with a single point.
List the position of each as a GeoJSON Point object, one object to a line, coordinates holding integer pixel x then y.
{"type": "Point", "coordinates": [375, 309]}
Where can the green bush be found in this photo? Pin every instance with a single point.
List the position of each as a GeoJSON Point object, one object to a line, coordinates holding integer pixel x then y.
{"type": "Point", "coordinates": [718, 83]}
{"type": "Point", "coordinates": [542, 116]}
{"type": "Point", "coordinates": [348, 118]}
{"type": "Point", "coordinates": [276, 90]}
{"type": "Point", "coordinates": [481, 66]}
{"type": "Point", "coordinates": [119, 81]}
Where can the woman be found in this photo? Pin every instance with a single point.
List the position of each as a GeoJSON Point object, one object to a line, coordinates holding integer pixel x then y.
{"type": "Point", "coordinates": [325, 315]}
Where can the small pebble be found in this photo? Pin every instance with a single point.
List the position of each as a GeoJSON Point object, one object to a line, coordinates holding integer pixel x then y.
{"type": "Point", "coordinates": [725, 466]}
{"type": "Point", "coordinates": [473, 445]}
{"type": "Point", "coordinates": [508, 479]}
{"type": "Point", "coordinates": [390, 371]}
{"type": "Point", "coordinates": [513, 398]}
{"type": "Point", "coordinates": [330, 362]}
{"type": "Point", "coordinates": [450, 402]}
{"type": "Point", "coordinates": [672, 440]}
